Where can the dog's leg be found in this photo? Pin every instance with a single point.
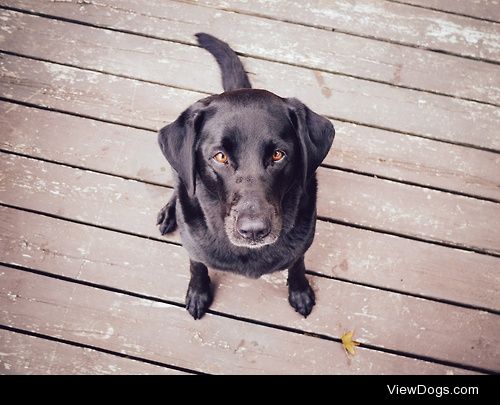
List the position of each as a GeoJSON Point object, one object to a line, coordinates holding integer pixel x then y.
{"type": "Point", "coordinates": [166, 216]}
{"type": "Point", "coordinates": [199, 295]}
{"type": "Point", "coordinates": [300, 294]}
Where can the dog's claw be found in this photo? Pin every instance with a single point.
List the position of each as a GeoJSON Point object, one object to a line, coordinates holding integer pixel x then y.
{"type": "Point", "coordinates": [197, 302]}
{"type": "Point", "coordinates": [302, 301]}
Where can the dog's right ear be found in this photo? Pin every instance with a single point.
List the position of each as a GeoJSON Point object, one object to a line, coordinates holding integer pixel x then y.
{"type": "Point", "coordinates": [178, 143]}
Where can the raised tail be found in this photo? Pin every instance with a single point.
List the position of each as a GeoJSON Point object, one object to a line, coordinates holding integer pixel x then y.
{"type": "Point", "coordinates": [233, 74]}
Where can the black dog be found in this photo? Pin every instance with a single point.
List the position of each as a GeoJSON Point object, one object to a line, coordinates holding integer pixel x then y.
{"type": "Point", "coordinates": [245, 195]}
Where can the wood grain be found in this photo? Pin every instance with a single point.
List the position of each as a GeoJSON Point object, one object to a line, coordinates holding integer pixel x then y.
{"type": "Point", "coordinates": [328, 94]}
{"type": "Point", "coordinates": [133, 153]}
{"type": "Point", "coordinates": [382, 319]}
{"type": "Point", "coordinates": [76, 141]}
{"type": "Point", "coordinates": [384, 287]}
{"type": "Point", "coordinates": [23, 354]}
{"type": "Point", "coordinates": [342, 196]}
{"type": "Point", "coordinates": [339, 251]}
{"type": "Point", "coordinates": [485, 9]}
{"type": "Point", "coordinates": [104, 200]}
{"type": "Point", "coordinates": [409, 210]}
{"type": "Point", "coordinates": [149, 105]}
{"type": "Point", "coordinates": [383, 20]}
{"type": "Point", "coordinates": [421, 161]}
{"type": "Point", "coordinates": [166, 333]}
{"type": "Point", "coordinates": [87, 93]}
{"type": "Point", "coordinates": [289, 43]}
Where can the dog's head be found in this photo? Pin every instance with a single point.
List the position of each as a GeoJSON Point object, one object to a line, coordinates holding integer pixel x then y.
{"type": "Point", "coordinates": [248, 148]}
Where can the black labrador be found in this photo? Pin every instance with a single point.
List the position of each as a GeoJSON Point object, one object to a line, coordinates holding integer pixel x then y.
{"type": "Point", "coordinates": [245, 195]}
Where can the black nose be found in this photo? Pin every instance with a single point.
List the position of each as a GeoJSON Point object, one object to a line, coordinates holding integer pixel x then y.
{"type": "Point", "coordinates": [253, 228]}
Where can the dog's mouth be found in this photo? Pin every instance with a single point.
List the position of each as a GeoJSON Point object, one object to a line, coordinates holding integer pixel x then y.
{"type": "Point", "coordinates": [252, 231]}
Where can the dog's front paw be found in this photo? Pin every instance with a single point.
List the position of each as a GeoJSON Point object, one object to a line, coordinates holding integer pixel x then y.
{"type": "Point", "coordinates": [302, 300]}
{"type": "Point", "coordinates": [198, 300]}
{"type": "Point", "coordinates": [166, 219]}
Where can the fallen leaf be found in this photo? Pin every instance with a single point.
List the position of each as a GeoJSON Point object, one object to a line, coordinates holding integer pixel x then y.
{"type": "Point", "coordinates": [348, 343]}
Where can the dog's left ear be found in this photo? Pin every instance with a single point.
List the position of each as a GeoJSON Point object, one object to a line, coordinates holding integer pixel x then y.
{"type": "Point", "coordinates": [178, 143]}
{"type": "Point", "coordinates": [315, 134]}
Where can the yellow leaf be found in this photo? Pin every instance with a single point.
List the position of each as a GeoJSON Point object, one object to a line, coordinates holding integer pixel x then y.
{"type": "Point", "coordinates": [348, 343]}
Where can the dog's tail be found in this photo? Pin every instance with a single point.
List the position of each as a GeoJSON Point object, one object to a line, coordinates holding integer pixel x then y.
{"type": "Point", "coordinates": [233, 74]}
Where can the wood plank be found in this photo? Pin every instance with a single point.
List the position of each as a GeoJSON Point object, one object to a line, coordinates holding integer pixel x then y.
{"type": "Point", "coordinates": [375, 104]}
{"type": "Point", "coordinates": [409, 210]}
{"type": "Point", "coordinates": [166, 62]}
{"type": "Point", "coordinates": [108, 97]}
{"type": "Point", "coordinates": [133, 153]}
{"type": "Point", "coordinates": [23, 354]}
{"type": "Point", "coordinates": [290, 43]}
{"type": "Point", "coordinates": [382, 319]}
{"type": "Point", "coordinates": [166, 333]}
{"type": "Point", "coordinates": [339, 251]}
{"type": "Point", "coordinates": [383, 20]}
{"type": "Point", "coordinates": [487, 9]}
{"type": "Point", "coordinates": [417, 160]}
{"type": "Point", "coordinates": [362, 200]}
{"type": "Point", "coordinates": [92, 94]}
{"type": "Point", "coordinates": [470, 358]}
{"type": "Point", "coordinates": [82, 195]}
{"type": "Point", "coordinates": [95, 145]}
{"type": "Point", "coordinates": [405, 265]}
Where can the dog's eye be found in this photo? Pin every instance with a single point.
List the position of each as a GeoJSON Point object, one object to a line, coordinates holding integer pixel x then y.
{"type": "Point", "coordinates": [278, 155]}
{"type": "Point", "coordinates": [221, 158]}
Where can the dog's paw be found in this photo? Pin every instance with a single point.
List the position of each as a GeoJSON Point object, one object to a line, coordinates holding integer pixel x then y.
{"type": "Point", "coordinates": [302, 300]}
{"type": "Point", "coordinates": [198, 301]}
{"type": "Point", "coordinates": [166, 219]}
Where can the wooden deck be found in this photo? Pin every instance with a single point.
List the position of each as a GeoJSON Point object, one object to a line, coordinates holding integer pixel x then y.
{"type": "Point", "coordinates": [407, 250]}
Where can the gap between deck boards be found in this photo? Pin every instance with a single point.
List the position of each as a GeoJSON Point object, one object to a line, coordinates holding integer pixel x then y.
{"type": "Point", "coordinates": [224, 314]}
{"type": "Point", "coordinates": [462, 84]}
{"type": "Point", "coordinates": [249, 320]}
{"type": "Point", "coordinates": [443, 181]}
{"type": "Point", "coordinates": [28, 352]}
{"type": "Point", "coordinates": [280, 12]}
{"type": "Point", "coordinates": [204, 348]}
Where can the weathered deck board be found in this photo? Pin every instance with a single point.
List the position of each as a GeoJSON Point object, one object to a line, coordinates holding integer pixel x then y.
{"type": "Point", "coordinates": [96, 145]}
{"type": "Point", "coordinates": [166, 62]}
{"type": "Point", "coordinates": [98, 95]}
{"type": "Point", "coordinates": [409, 210]}
{"type": "Point", "coordinates": [405, 265]}
{"type": "Point", "coordinates": [342, 196]}
{"type": "Point", "coordinates": [290, 43]}
{"type": "Point", "coordinates": [418, 160]}
{"type": "Point", "coordinates": [151, 106]}
{"type": "Point", "coordinates": [166, 333]}
{"type": "Point", "coordinates": [487, 9]}
{"type": "Point", "coordinates": [23, 354]}
{"type": "Point", "coordinates": [352, 254]}
{"type": "Point", "coordinates": [100, 199]}
{"type": "Point", "coordinates": [418, 299]}
{"type": "Point", "coordinates": [382, 319]}
{"type": "Point", "coordinates": [383, 20]}
{"type": "Point", "coordinates": [133, 153]}
{"type": "Point", "coordinates": [340, 251]}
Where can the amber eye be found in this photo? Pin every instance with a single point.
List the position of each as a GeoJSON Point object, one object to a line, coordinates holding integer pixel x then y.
{"type": "Point", "coordinates": [278, 155]}
{"type": "Point", "coordinates": [221, 158]}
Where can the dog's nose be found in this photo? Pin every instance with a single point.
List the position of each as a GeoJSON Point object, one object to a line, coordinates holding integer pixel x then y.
{"type": "Point", "coordinates": [253, 228]}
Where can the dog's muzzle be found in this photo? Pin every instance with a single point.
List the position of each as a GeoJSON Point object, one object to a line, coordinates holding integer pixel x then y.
{"type": "Point", "coordinates": [253, 223]}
